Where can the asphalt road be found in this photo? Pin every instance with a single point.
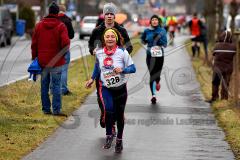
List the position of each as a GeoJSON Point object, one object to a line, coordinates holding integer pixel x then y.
{"type": "Point", "coordinates": [180, 126]}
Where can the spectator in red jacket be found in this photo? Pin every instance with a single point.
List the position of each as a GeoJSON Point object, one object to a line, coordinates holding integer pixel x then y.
{"type": "Point", "coordinates": [50, 42]}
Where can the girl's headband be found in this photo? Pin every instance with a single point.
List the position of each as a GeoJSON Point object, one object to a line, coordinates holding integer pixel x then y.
{"type": "Point", "coordinates": [111, 30]}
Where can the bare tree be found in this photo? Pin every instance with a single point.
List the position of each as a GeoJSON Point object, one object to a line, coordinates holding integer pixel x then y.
{"type": "Point", "coordinates": [42, 11]}
{"type": "Point", "coordinates": [234, 6]}
{"type": "Point", "coordinates": [219, 12]}
{"type": "Point", "coordinates": [210, 14]}
{"type": "Point", "coordinates": [189, 6]}
{"type": "Point", "coordinates": [98, 3]}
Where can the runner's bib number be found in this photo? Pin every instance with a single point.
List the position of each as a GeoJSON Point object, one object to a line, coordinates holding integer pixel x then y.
{"type": "Point", "coordinates": [111, 79]}
{"type": "Point", "coordinates": [171, 28]}
{"type": "Point", "coordinates": [156, 51]}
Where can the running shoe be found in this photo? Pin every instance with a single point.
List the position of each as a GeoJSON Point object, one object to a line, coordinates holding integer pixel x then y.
{"type": "Point", "coordinates": [102, 122]}
{"type": "Point", "coordinates": [119, 146]}
{"type": "Point", "coordinates": [158, 86]}
{"type": "Point", "coordinates": [153, 100]}
{"type": "Point", "coordinates": [114, 131]}
{"type": "Point", "coordinates": [108, 142]}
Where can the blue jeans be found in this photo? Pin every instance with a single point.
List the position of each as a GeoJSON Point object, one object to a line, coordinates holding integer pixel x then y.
{"type": "Point", "coordinates": [51, 76]}
{"type": "Point", "coordinates": [64, 78]}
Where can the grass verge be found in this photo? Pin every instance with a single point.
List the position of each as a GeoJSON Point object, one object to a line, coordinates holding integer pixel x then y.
{"type": "Point", "coordinates": [22, 125]}
{"type": "Point", "coordinates": [227, 115]}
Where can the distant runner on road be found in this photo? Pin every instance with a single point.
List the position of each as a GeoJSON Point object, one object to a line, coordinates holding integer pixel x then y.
{"type": "Point", "coordinates": [155, 38]}
{"type": "Point", "coordinates": [195, 26]}
{"type": "Point", "coordinates": [172, 26]}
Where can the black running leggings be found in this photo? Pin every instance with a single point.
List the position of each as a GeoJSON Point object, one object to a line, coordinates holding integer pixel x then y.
{"type": "Point", "coordinates": [114, 102]}
{"type": "Point", "coordinates": [154, 65]}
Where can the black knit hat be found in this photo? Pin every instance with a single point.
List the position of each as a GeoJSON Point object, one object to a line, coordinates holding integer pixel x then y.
{"type": "Point", "coordinates": [53, 8]}
{"type": "Point", "coordinates": [156, 16]}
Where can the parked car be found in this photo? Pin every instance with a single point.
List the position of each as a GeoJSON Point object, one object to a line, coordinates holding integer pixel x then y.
{"type": "Point", "coordinates": [6, 25]}
{"type": "Point", "coordinates": [87, 25]}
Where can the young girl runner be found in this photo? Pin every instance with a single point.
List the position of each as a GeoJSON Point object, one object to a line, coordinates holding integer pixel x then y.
{"type": "Point", "coordinates": [112, 63]}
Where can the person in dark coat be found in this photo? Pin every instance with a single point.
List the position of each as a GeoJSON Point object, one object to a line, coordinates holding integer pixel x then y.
{"type": "Point", "coordinates": [223, 54]}
{"type": "Point", "coordinates": [100, 19]}
{"type": "Point", "coordinates": [49, 44]}
{"type": "Point", "coordinates": [96, 41]}
{"type": "Point", "coordinates": [68, 22]}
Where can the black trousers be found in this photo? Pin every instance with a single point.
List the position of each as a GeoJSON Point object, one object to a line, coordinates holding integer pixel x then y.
{"type": "Point", "coordinates": [154, 65]}
{"type": "Point", "coordinates": [222, 78]}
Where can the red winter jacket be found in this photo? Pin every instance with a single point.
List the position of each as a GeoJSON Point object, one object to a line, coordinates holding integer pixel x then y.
{"type": "Point", "coordinates": [50, 42]}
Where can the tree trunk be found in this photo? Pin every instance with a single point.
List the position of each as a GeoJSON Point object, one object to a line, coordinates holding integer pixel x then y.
{"type": "Point", "coordinates": [234, 5]}
{"type": "Point", "coordinates": [210, 14]}
{"type": "Point", "coordinates": [42, 11]}
{"type": "Point", "coordinates": [97, 3]}
{"type": "Point", "coordinates": [189, 6]}
{"type": "Point", "coordinates": [220, 16]}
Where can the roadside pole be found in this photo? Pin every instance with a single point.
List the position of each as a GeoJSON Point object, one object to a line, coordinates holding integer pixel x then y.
{"type": "Point", "coordinates": [233, 12]}
{"type": "Point", "coordinates": [236, 69]}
